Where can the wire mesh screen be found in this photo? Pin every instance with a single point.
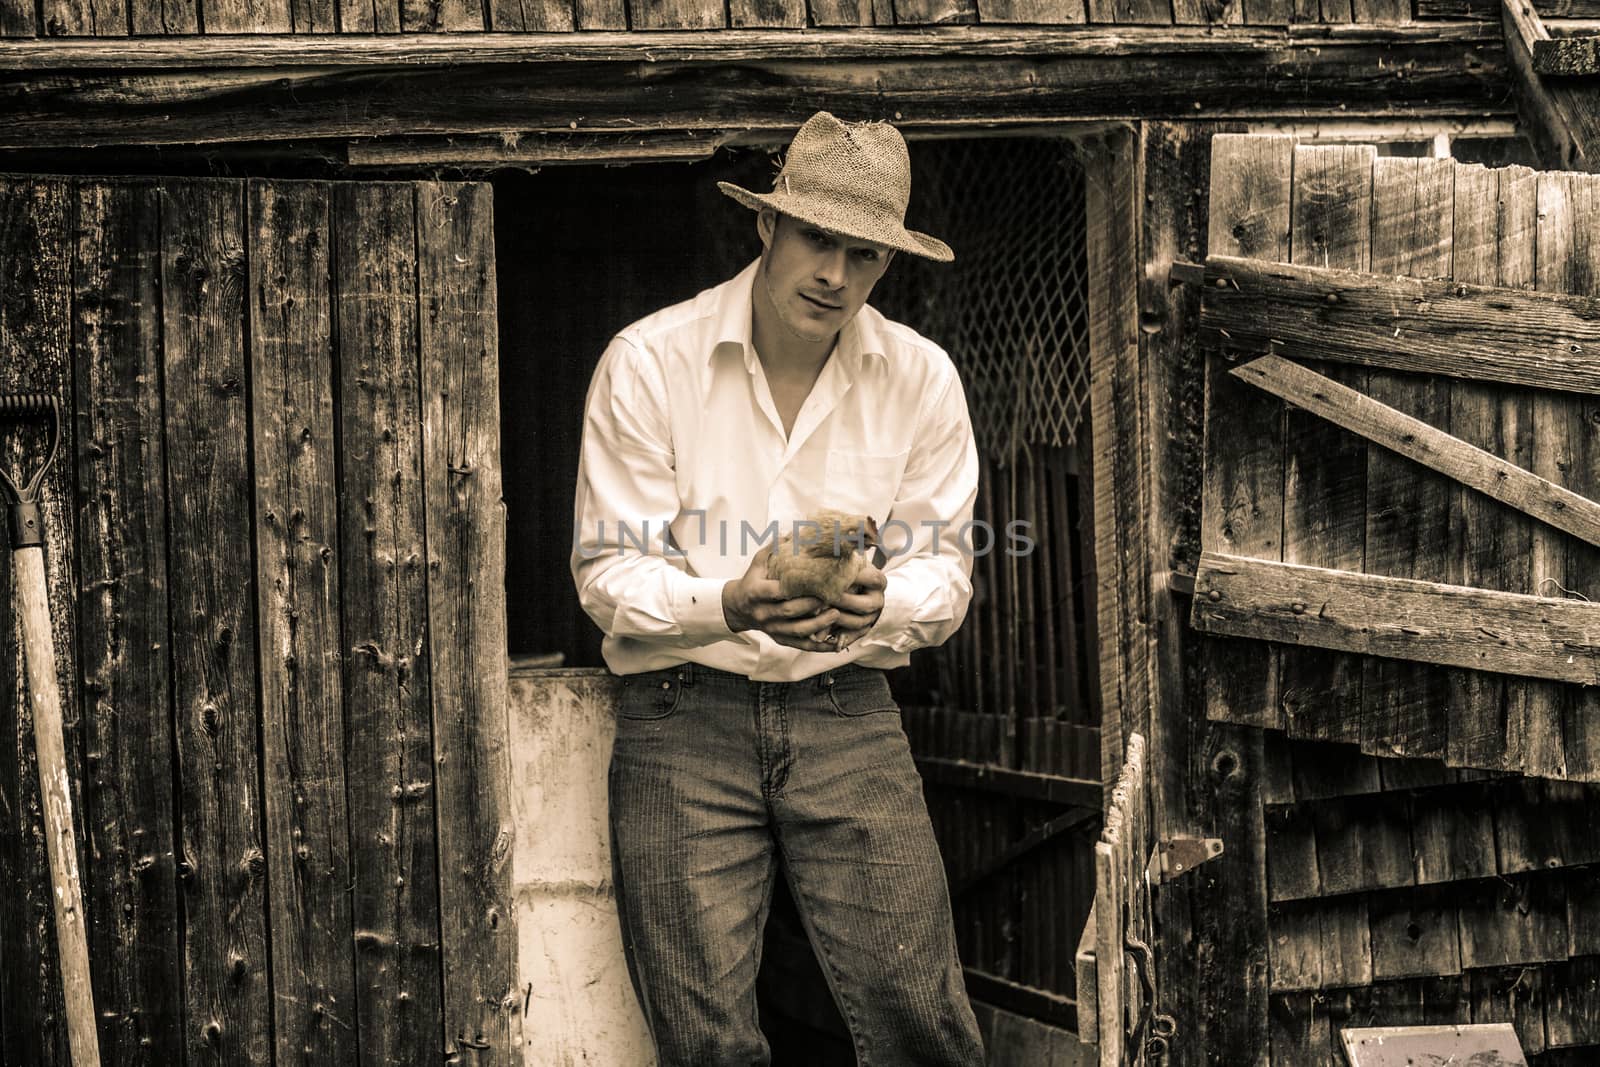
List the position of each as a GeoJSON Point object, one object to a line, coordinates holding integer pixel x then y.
{"type": "Point", "coordinates": [1012, 309]}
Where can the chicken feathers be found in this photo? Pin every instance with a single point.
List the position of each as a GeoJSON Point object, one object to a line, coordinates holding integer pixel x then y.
{"type": "Point", "coordinates": [827, 557]}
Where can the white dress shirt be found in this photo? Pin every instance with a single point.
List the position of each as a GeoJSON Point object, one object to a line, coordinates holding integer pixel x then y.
{"type": "Point", "coordinates": [680, 433]}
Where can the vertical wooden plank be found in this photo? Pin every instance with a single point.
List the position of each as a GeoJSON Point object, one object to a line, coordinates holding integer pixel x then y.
{"type": "Point", "coordinates": [1208, 12]}
{"type": "Point", "coordinates": [676, 15]}
{"type": "Point", "coordinates": [453, 16]}
{"type": "Point", "coordinates": [297, 576]}
{"type": "Point", "coordinates": [1408, 510]}
{"type": "Point", "coordinates": [1300, 1031]}
{"type": "Point", "coordinates": [312, 16]}
{"type": "Point", "coordinates": [757, 14]}
{"type": "Point", "coordinates": [1025, 12]}
{"type": "Point", "coordinates": [84, 18]}
{"type": "Point", "coordinates": [1381, 12]}
{"type": "Point", "coordinates": [247, 16]}
{"type": "Point", "coordinates": [1572, 1005]}
{"type": "Point", "coordinates": [221, 863]}
{"type": "Point", "coordinates": [1248, 190]}
{"type": "Point", "coordinates": [1452, 834]}
{"type": "Point", "coordinates": [1582, 276]}
{"type": "Point", "coordinates": [1291, 853]}
{"type": "Point", "coordinates": [157, 18]}
{"type": "Point", "coordinates": [122, 623]}
{"type": "Point", "coordinates": [1241, 501]}
{"type": "Point", "coordinates": [934, 12]}
{"type": "Point", "coordinates": [459, 346]}
{"type": "Point", "coordinates": [35, 356]}
{"type": "Point", "coordinates": [1520, 919]}
{"type": "Point", "coordinates": [1491, 545]}
{"type": "Point", "coordinates": [1515, 995]}
{"type": "Point", "coordinates": [1324, 478]}
{"type": "Point", "coordinates": [369, 16]}
{"type": "Point", "coordinates": [1560, 256]}
{"type": "Point", "coordinates": [18, 18]}
{"type": "Point", "coordinates": [834, 13]}
{"type": "Point", "coordinates": [1363, 842]}
{"type": "Point", "coordinates": [387, 679]}
{"type": "Point", "coordinates": [532, 16]}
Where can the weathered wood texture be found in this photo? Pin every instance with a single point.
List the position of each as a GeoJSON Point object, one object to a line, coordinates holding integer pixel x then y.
{"type": "Point", "coordinates": [1416, 440]}
{"type": "Point", "coordinates": [190, 327]}
{"type": "Point", "coordinates": [1399, 618]}
{"type": "Point", "coordinates": [934, 79]}
{"type": "Point", "coordinates": [1435, 325]}
{"type": "Point", "coordinates": [122, 623]}
{"type": "Point", "coordinates": [466, 526]}
{"type": "Point", "coordinates": [297, 603]}
{"type": "Point", "coordinates": [1520, 725]}
{"type": "Point", "coordinates": [36, 219]}
{"type": "Point", "coordinates": [1561, 114]}
{"type": "Point", "coordinates": [222, 859]}
{"type": "Point", "coordinates": [1122, 911]}
{"type": "Point", "coordinates": [383, 567]}
{"type": "Point", "coordinates": [1324, 472]}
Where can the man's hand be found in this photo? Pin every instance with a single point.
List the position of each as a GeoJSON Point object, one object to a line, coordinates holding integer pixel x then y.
{"type": "Point", "coordinates": [859, 609]}
{"type": "Point", "coordinates": [754, 603]}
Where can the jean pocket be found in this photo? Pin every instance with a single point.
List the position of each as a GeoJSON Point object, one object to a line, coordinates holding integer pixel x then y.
{"type": "Point", "coordinates": [650, 695]}
{"type": "Point", "coordinates": [862, 691]}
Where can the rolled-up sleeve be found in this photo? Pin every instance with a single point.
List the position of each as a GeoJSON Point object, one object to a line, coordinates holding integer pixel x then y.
{"type": "Point", "coordinates": [631, 580]}
{"type": "Point", "coordinates": [927, 536]}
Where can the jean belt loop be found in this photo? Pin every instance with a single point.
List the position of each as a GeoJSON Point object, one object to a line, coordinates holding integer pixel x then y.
{"type": "Point", "coordinates": [686, 673]}
{"type": "Point", "coordinates": [825, 679]}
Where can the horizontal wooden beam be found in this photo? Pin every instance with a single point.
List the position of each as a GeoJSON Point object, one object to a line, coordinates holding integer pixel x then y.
{"type": "Point", "coordinates": [772, 81]}
{"type": "Point", "coordinates": [1427, 326]}
{"type": "Point", "coordinates": [1027, 785]}
{"type": "Point", "coordinates": [539, 150]}
{"type": "Point", "coordinates": [1427, 445]}
{"type": "Point", "coordinates": [240, 51]}
{"type": "Point", "coordinates": [1398, 618]}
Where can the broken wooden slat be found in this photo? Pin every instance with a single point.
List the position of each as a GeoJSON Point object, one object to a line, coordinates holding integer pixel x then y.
{"type": "Point", "coordinates": [1242, 488]}
{"type": "Point", "coordinates": [1540, 340]}
{"type": "Point", "coordinates": [1325, 471]}
{"type": "Point", "coordinates": [383, 574]}
{"type": "Point", "coordinates": [1540, 637]}
{"type": "Point", "coordinates": [297, 610]}
{"type": "Point", "coordinates": [1427, 445]}
{"type": "Point", "coordinates": [214, 655]}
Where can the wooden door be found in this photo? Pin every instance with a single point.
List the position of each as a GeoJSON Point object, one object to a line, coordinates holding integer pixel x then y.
{"type": "Point", "coordinates": [276, 565]}
{"type": "Point", "coordinates": [1402, 454]}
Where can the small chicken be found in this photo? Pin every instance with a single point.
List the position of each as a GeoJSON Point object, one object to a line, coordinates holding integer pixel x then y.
{"type": "Point", "coordinates": [827, 558]}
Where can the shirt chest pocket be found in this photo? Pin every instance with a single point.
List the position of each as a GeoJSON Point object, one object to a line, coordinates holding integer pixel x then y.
{"type": "Point", "coordinates": [862, 483]}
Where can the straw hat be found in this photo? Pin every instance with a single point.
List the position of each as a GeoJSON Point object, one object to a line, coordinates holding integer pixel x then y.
{"type": "Point", "coordinates": [852, 178]}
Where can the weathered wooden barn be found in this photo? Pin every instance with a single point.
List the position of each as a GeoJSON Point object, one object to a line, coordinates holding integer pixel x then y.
{"type": "Point", "coordinates": [320, 285]}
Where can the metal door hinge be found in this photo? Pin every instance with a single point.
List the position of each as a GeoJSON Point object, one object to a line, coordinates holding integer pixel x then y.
{"type": "Point", "coordinates": [1177, 856]}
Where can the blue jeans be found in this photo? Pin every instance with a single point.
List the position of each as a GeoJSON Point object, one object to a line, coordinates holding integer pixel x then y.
{"type": "Point", "coordinates": [718, 782]}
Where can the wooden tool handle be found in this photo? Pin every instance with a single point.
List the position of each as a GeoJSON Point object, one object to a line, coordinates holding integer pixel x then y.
{"type": "Point", "coordinates": [72, 942]}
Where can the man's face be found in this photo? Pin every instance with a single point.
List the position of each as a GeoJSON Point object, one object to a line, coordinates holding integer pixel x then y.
{"type": "Point", "coordinates": [817, 279]}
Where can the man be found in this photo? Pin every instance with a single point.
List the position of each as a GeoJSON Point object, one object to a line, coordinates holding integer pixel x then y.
{"type": "Point", "coordinates": [757, 734]}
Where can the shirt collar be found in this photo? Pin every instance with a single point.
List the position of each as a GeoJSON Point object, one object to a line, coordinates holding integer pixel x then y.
{"type": "Point", "coordinates": [860, 337]}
